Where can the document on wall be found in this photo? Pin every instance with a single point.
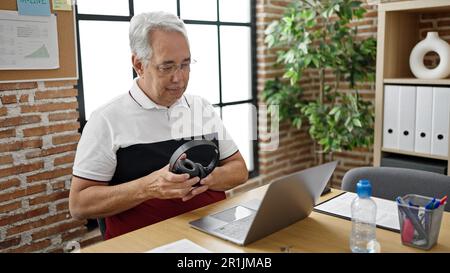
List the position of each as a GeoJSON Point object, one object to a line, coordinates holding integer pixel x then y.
{"type": "Point", "coordinates": [180, 246]}
{"type": "Point", "coordinates": [33, 7]}
{"type": "Point", "coordinates": [387, 211]}
{"type": "Point", "coordinates": [28, 42]}
{"type": "Point", "coordinates": [62, 5]}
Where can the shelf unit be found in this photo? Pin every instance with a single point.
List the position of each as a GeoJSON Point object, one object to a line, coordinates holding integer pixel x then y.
{"type": "Point", "coordinates": [398, 33]}
{"type": "Point", "coordinates": [441, 82]}
{"type": "Point", "coordinates": [393, 151]}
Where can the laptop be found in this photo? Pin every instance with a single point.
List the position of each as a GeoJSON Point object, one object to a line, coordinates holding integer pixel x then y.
{"type": "Point", "coordinates": [288, 199]}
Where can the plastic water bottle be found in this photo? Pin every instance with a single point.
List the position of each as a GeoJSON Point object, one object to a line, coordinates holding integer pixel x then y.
{"type": "Point", "coordinates": [364, 212]}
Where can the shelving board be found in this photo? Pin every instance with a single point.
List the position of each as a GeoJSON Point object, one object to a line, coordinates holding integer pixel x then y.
{"type": "Point", "coordinates": [414, 81]}
{"type": "Point", "coordinates": [414, 154]}
{"type": "Point", "coordinates": [417, 6]}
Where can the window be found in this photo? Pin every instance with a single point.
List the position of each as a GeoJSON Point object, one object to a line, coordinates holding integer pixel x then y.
{"type": "Point", "coordinates": [221, 39]}
{"type": "Point", "coordinates": [104, 7]}
{"type": "Point", "coordinates": [99, 65]}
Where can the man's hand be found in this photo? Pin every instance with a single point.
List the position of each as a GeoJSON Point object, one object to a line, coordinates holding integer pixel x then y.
{"type": "Point", "coordinates": [211, 178]}
{"type": "Point", "coordinates": [195, 190]}
{"type": "Point", "coordinates": [231, 172]}
{"type": "Point", "coordinates": [200, 189]}
{"type": "Point", "coordinates": [164, 184]}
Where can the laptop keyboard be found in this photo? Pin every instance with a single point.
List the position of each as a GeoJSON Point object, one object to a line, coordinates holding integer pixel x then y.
{"type": "Point", "coordinates": [237, 229]}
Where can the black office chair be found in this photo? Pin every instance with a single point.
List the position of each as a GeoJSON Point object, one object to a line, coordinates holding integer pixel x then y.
{"type": "Point", "coordinates": [388, 183]}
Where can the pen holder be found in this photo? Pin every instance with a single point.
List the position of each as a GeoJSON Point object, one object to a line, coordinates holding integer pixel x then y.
{"type": "Point", "coordinates": [419, 227]}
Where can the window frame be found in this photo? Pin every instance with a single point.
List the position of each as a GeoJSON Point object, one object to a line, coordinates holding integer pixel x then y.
{"type": "Point", "coordinates": [253, 100]}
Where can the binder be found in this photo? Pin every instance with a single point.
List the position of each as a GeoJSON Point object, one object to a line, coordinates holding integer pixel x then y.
{"type": "Point", "coordinates": [407, 118]}
{"type": "Point", "coordinates": [424, 114]}
{"type": "Point", "coordinates": [390, 116]}
{"type": "Point", "coordinates": [440, 121]}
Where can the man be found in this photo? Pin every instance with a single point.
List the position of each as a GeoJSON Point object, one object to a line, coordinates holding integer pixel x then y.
{"type": "Point", "coordinates": [121, 167]}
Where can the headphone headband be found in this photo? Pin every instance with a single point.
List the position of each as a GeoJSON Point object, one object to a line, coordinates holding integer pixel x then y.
{"type": "Point", "coordinates": [191, 144]}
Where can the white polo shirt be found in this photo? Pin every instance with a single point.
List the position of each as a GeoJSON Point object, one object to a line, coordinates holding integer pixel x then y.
{"type": "Point", "coordinates": [132, 136]}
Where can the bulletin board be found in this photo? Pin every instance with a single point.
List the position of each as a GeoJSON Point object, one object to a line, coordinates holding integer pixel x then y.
{"type": "Point", "coordinates": [67, 47]}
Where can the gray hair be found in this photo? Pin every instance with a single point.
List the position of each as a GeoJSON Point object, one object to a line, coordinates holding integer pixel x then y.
{"type": "Point", "coordinates": [141, 26]}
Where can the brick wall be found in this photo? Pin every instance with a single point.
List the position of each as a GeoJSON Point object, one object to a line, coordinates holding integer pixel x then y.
{"type": "Point", "coordinates": [38, 138]}
{"type": "Point", "coordinates": [439, 22]}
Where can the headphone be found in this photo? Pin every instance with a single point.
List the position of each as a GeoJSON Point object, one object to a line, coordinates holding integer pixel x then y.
{"type": "Point", "coordinates": [180, 166]}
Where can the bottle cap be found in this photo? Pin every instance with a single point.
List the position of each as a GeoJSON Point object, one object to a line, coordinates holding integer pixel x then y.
{"type": "Point", "coordinates": [363, 188]}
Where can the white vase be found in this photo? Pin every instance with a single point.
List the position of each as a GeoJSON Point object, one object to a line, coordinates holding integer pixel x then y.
{"type": "Point", "coordinates": [431, 43]}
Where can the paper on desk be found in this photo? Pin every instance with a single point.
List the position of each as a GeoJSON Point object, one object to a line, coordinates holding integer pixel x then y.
{"type": "Point", "coordinates": [180, 246]}
{"type": "Point", "coordinates": [387, 211]}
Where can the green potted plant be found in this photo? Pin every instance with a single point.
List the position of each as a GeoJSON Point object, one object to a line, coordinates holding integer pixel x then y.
{"type": "Point", "coordinates": [317, 36]}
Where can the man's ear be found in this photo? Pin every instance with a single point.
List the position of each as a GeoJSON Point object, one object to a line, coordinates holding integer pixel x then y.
{"type": "Point", "coordinates": [137, 65]}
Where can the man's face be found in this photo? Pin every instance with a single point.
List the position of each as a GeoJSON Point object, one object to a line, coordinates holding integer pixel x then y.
{"type": "Point", "coordinates": [161, 83]}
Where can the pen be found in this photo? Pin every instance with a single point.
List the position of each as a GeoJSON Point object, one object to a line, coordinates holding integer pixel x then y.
{"type": "Point", "coordinates": [443, 199]}
{"type": "Point", "coordinates": [430, 204]}
{"type": "Point", "coordinates": [436, 204]}
{"type": "Point", "coordinates": [426, 217]}
{"type": "Point", "coordinates": [414, 206]}
{"type": "Point", "coordinates": [440, 202]}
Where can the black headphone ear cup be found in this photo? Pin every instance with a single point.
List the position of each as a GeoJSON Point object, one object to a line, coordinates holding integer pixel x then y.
{"type": "Point", "coordinates": [186, 166]}
{"type": "Point", "coordinates": [213, 164]}
{"type": "Point", "coordinates": [201, 170]}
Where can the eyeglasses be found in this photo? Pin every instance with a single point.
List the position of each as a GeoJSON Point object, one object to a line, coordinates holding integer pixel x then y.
{"type": "Point", "coordinates": [171, 68]}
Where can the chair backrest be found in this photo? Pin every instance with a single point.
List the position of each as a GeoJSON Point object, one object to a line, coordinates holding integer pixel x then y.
{"type": "Point", "coordinates": [388, 183]}
{"type": "Point", "coordinates": [102, 226]}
